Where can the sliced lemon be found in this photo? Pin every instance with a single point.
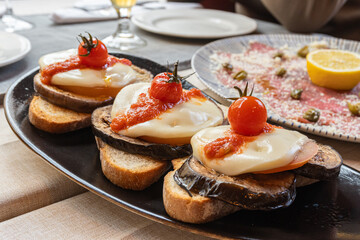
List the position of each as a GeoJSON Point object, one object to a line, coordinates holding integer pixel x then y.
{"type": "Point", "coordinates": [336, 69]}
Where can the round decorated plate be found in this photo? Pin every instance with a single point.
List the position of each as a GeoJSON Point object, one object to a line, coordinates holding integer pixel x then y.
{"type": "Point", "coordinates": [271, 64]}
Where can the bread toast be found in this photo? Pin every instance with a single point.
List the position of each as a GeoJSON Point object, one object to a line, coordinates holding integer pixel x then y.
{"type": "Point", "coordinates": [54, 119]}
{"type": "Point", "coordinates": [129, 171]}
{"type": "Point", "coordinates": [192, 209]}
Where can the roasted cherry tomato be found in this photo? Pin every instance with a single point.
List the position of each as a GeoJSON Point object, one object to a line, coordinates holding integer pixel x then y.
{"type": "Point", "coordinates": [166, 86]}
{"type": "Point", "coordinates": [92, 52]}
{"type": "Point", "coordinates": [247, 116]}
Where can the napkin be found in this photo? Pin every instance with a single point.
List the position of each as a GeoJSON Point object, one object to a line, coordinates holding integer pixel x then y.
{"type": "Point", "coordinates": [97, 10]}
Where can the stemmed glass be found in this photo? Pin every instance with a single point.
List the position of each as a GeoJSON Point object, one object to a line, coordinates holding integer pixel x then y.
{"type": "Point", "coordinates": [13, 23]}
{"type": "Point", "coordinates": [124, 38]}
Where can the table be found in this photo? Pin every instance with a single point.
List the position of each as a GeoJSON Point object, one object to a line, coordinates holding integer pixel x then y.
{"type": "Point", "coordinates": [36, 201]}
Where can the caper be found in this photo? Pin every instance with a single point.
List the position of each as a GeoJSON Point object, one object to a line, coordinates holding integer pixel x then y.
{"type": "Point", "coordinates": [354, 108]}
{"type": "Point", "coordinates": [279, 55]}
{"type": "Point", "coordinates": [241, 75]}
{"type": "Point", "coordinates": [296, 93]}
{"type": "Point", "coordinates": [280, 72]}
{"type": "Point", "coordinates": [228, 67]}
{"type": "Point", "coordinates": [312, 115]}
{"type": "Point", "coordinates": [303, 52]}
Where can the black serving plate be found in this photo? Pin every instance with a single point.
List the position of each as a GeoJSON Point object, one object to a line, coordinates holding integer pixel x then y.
{"type": "Point", "coordinates": [325, 210]}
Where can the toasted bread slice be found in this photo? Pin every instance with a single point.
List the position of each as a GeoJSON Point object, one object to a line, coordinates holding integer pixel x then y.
{"type": "Point", "coordinates": [129, 171]}
{"type": "Point", "coordinates": [54, 119]}
{"type": "Point", "coordinates": [192, 209]}
{"type": "Point", "coordinates": [177, 163]}
{"type": "Point", "coordinates": [198, 209]}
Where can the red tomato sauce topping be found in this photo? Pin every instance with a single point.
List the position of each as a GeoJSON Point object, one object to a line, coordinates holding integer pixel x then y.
{"type": "Point", "coordinates": [232, 142]}
{"type": "Point", "coordinates": [147, 108]}
{"type": "Point", "coordinates": [75, 63]}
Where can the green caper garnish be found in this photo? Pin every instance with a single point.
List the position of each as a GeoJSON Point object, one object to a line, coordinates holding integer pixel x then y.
{"type": "Point", "coordinates": [354, 108]}
{"type": "Point", "coordinates": [312, 115]}
{"type": "Point", "coordinates": [279, 55]}
{"type": "Point", "coordinates": [228, 67]}
{"type": "Point", "coordinates": [241, 75]}
{"type": "Point", "coordinates": [303, 52]}
{"type": "Point", "coordinates": [296, 93]}
{"type": "Point", "coordinates": [280, 72]}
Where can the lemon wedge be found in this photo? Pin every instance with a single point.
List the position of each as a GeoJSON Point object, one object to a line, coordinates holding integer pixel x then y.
{"type": "Point", "coordinates": [335, 69]}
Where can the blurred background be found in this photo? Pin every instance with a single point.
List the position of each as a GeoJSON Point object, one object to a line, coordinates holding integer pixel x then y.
{"type": "Point", "coordinates": [339, 18]}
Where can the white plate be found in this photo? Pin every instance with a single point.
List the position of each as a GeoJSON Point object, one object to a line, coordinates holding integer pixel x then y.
{"type": "Point", "coordinates": [194, 23]}
{"type": "Point", "coordinates": [13, 48]}
{"type": "Point", "coordinates": [201, 64]}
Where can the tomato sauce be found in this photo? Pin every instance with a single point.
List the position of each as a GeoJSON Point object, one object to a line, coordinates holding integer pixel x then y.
{"type": "Point", "coordinates": [147, 108]}
{"type": "Point", "coordinates": [232, 142]}
{"type": "Point", "coordinates": [74, 63]}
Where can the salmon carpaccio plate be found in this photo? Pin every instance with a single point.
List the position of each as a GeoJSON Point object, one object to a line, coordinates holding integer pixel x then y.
{"type": "Point", "coordinates": [262, 64]}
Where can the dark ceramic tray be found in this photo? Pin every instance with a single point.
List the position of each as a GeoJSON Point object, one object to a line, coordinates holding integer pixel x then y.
{"type": "Point", "coordinates": [325, 210]}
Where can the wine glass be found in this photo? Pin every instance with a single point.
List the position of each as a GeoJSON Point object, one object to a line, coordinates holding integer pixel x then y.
{"type": "Point", "coordinates": [124, 38]}
{"type": "Point", "coordinates": [11, 22]}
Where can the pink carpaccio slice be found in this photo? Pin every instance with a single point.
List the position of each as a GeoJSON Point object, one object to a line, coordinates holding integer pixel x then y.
{"type": "Point", "coordinates": [261, 65]}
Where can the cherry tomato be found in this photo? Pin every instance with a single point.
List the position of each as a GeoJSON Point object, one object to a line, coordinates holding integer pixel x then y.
{"type": "Point", "coordinates": [92, 53]}
{"type": "Point", "coordinates": [247, 116]}
{"type": "Point", "coordinates": [164, 89]}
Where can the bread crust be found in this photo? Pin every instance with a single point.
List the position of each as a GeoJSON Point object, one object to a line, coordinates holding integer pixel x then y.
{"type": "Point", "coordinates": [196, 209]}
{"type": "Point", "coordinates": [54, 119]}
{"type": "Point", "coordinates": [129, 177]}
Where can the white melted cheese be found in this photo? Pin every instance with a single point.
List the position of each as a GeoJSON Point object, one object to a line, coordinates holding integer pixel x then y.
{"type": "Point", "coordinates": [116, 76]}
{"type": "Point", "coordinates": [184, 120]}
{"type": "Point", "coordinates": [268, 151]}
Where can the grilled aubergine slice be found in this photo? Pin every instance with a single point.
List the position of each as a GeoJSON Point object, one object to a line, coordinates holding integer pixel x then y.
{"type": "Point", "coordinates": [101, 128]}
{"type": "Point", "coordinates": [256, 191]}
{"type": "Point", "coordinates": [325, 165]}
{"type": "Point", "coordinates": [247, 191]}
{"type": "Point", "coordinates": [69, 100]}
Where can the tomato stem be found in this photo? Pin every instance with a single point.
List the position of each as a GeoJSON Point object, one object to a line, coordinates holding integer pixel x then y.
{"type": "Point", "coordinates": [87, 44]}
{"type": "Point", "coordinates": [174, 77]}
{"type": "Point", "coordinates": [241, 93]}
